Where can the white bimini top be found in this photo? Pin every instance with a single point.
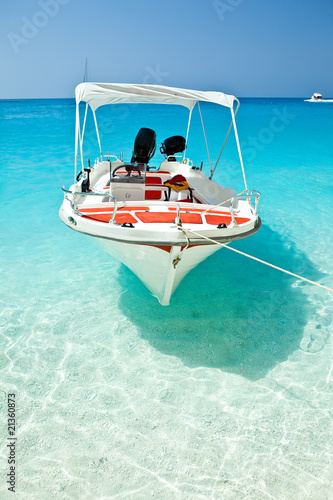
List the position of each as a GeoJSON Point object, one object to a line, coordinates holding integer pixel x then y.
{"type": "Point", "coordinates": [99, 94]}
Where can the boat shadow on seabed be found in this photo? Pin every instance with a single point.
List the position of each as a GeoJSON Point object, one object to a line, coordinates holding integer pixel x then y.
{"type": "Point", "coordinates": [229, 313]}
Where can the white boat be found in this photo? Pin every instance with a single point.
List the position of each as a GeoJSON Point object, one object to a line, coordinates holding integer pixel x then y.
{"type": "Point", "coordinates": [317, 97]}
{"type": "Point", "coordinates": [160, 223]}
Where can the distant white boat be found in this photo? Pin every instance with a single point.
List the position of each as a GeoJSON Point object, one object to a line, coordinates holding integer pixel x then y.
{"type": "Point", "coordinates": [317, 97]}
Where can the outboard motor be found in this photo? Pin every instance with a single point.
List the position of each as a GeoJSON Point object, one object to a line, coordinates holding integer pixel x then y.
{"type": "Point", "coordinates": [172, 145]}
{"type": "Point", "coordinates": [144, 146]}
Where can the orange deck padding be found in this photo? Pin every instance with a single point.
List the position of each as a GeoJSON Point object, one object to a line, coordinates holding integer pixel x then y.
{"type": "Point", "coordinates": [214, 216]}
{"type": "Point", "coordinates": [241, 220]}
{"type": "Point", "coordinates": [167, 218]}
{"type": "Point", "coordinates": [120, 218]}
{"type": "Point", "coordinates": [215, 220]}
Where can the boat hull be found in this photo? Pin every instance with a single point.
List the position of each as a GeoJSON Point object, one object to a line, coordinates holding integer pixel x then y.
{"type": "Point", "coordinates": [160, 268]}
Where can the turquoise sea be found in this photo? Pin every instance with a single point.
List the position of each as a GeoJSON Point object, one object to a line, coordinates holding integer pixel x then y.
{"type": "Point", "coordinates": [224, 394]}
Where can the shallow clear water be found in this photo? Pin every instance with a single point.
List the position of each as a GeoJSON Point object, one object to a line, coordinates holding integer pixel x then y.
{"type": "Point", "coordinates": [226, 393]}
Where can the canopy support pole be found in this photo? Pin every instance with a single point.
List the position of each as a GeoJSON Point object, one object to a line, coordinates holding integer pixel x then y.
{"type": "Point", "coordinates": [99, 141]}
{"type": "Point", "coordinates": [203, 128]}
{"type": "Point", "coordinates": [187, 131]}
{"type": "Point", "coordinates": [80, 140]}
{"type": "Point", "coordinates": [238, 146]}
{"type": "Point", "coordinates": [76, 139]}
{"type": "Point", "coordinates": [225, 140]}
{"type": "Point", "coordinates": [84, 121]}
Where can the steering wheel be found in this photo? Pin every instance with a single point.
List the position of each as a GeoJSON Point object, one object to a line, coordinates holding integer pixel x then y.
{"type": "Point", "coordinates": [128, 169]}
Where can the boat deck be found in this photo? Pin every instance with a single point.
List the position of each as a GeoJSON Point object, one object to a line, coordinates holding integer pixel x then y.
{"type": "Point", "coordinates": [159, 214]}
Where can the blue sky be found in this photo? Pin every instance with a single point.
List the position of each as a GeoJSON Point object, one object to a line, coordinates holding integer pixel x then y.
{"type": "Point", "coordinates": [268, 48]}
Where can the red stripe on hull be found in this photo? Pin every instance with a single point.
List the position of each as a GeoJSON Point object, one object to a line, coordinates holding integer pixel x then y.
{"type": "Point", "coordinates": [166, 248]}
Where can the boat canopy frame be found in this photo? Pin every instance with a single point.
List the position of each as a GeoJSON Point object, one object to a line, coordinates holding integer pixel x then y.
{"type": "Point", "coordinates": [100, 94]}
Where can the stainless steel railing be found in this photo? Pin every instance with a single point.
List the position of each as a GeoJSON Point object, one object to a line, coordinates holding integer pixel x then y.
{"type": "Point", "coordinates": [93, 193]}
{"type": "Point", "coordinates": [253, 194]}
{"type": "Point", "coordinates": [107, 157]}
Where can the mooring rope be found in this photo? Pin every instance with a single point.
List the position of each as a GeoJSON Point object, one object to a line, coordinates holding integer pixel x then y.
{"type": "Point", "coordinates": [259, 260]}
